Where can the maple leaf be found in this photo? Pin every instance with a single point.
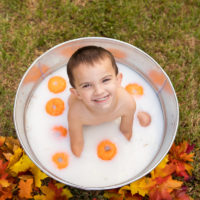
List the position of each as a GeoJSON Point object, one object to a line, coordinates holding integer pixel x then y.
{"type": "Point", "coordinates": [14, 158]}
{"type": "Point", "coordinates": [142, 186]}
{"type": "Point", "coordinates": [49, 194]}
{"type": "Point", "coordinates": [181, 167]}
{"type": "Point", "coordinates": [180, 194]}
{"type": "Point", "coordinates": [163, 188]}
{"type": "Point", "coordinates": [6, 193]}
{"type": "Point", "coordinates": [3, 166]}
{"type": "Point", "coordinates": [22, 165]}
{"type": "Point", "coordinates": [11, 143]}
{"type": "Point", "coordinates": [25, 188]}
{"type": "Point", "coordinates": [2, 140]}
{"type": "Point", "coordinates": [113, 195]}
{"type": "Point", "coordinates": [163, 169]}
{"type": "Point", "coordinates": [65, 191]}
{"type": "Point", "coordinates": [38, 175]}
{"type": "Point", "coordinates": [3, 174]}
{"type": "Point", "coordinates": [180, 152]}
{"type": "Point", "coordinates": [25, 164]}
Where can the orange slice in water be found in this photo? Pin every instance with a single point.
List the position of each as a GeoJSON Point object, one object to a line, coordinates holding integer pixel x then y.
{"type": "Point", "coordinates": [134, 89]}
{"type": "Point", "coordinates": [56, 84]}
{"type": "Point", "coordinates": [61, 159]}
{"type": "Point", "coordinates": [55, 107]}
{"type": "Point", "coordinates": [61, 130]}
{"type": "Point", "coordinates": [106, 150]}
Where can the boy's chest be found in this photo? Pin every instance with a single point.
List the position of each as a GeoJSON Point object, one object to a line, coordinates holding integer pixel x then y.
{"type": "Point", "coordinates": [95, 119]}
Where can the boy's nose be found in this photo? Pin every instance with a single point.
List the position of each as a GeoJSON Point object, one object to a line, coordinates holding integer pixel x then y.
{"type": "Point", "coordinates": [98, 90]}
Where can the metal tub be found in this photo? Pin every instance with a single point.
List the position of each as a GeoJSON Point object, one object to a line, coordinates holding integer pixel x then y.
{"type": "Point", "coordinates": [124, 53]}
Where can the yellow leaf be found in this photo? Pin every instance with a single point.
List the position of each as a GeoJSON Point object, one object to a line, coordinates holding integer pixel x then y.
{"type": "Point", "coordinates": [66, 192]}
{"type": "Point", "coordinates": [8, 155]}
{"type": "Point", "coordinates": [141, 186]}
{"type": "Point", "coordinates": [109, 195]}
{"type": "Point", "coordinates": [38, 175]}
{"type": "Point", "coordinates": [25, 188]}
{"type": "Point", "coordinates": [48, 192]}
{"type": "Point", "coordinates": [17, 154]}
{"type": "Point", "coordinates": [11, 143]}
{"type": "Point", "coordinates": [21, 166]}
{"type": "Point", "coordinates": [4, 183]}
{"type": "Point", "coordinates": [159, 167]}
{"type": "Point", "coordinates": [39, 197]}
{"type": "Point", "coordinates": [2, 140]}
{"type": "Point", "coordinates": [189, 168]}
{"type": "Point", "coordinates": [171, 184]}
{"type": "Point", "coordinates": [25, 164]}
{"type": "Point", "coordinates": [123, 189]}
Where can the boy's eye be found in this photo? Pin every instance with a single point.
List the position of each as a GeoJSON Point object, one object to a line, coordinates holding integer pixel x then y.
{"type": "Point", "coordinates": [86, 85]}
{"type": "Point", "coordinates": [106, 80]}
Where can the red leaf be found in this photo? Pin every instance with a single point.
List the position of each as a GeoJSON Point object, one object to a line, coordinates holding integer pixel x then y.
{"type": "Point", "coordinates": [180, 194]}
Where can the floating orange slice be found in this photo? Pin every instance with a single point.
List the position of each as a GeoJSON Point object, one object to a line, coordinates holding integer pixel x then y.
{"type": "Point", "coordinates": [55, 107]}
{"type": "Point", "coordinates": [57, 84]}
{"type": "Point", "coordinates": [106, 150]}
{"type": "Point", "coordinates": [134, 89]}
{"type": "Point", "coordinates": [61, 130]}
{"type": "Point", "coordinates": [61, 159]}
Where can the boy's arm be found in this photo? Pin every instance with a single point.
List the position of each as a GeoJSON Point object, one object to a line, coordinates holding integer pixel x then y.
{"type": "Point", "coordinates": [76, 134]}
{"type": "Point", "coordinates": [127, 121]}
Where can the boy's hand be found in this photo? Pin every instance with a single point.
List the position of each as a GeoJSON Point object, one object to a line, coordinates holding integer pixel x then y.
{"type": "Point", "coordinates": [76, 134]}
{"type": "Point", "coordinates": [77, 148]}
{"type": "Point", "coordinates": [127, 134]}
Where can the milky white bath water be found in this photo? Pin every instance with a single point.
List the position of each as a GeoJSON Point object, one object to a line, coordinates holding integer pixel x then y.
{"type": "Point", "coordinates": [90, 171]}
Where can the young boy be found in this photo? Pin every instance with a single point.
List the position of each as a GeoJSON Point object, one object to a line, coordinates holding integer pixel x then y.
{"type": "Point", "coordinates": [96, 94]}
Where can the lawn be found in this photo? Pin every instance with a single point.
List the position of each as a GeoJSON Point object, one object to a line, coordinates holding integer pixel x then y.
{"type": "Point", "coordinates": [167, 30]}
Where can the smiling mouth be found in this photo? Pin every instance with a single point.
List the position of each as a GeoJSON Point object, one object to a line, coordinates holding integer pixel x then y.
{"type": "Point", "coordinates": [102, 99]}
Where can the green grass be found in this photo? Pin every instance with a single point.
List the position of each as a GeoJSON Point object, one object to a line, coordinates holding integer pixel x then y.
{"type": "Point", "coordinates": [166, 30]}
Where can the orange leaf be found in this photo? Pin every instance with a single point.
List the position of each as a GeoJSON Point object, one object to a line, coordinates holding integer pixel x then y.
{"type": "Point", "coordinates": [180, 194]}
{"type": "Point", "coordinates": [2, 140]}
{"type": "Point", "coordinates": [12, 143]}
{"type": "Point", "coordinates": [163, 188]}
{"type": "Point", "coordinates": [113, 195]}
{"type": "Point", "coordinates": [25, 188]}
{"type": "Point", "coordinates": [180, 152]}
{"type": "Point", "coordinates": [5, 194]}
{"type": "Point", "coordinates": [48, 192]}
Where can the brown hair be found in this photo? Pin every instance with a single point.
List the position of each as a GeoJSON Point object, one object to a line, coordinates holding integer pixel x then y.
{"type": "Point", "coordinates": [88, 55]}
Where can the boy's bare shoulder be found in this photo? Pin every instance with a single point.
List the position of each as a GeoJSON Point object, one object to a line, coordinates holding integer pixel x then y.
{"type": "Point", "coordinates": [126, 100]}
{"type": "Point", "coordinates": [76, 109]}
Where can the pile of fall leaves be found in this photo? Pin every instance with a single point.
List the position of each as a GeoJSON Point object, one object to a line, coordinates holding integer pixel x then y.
{"type": "Point", "coordinates": [20, 178]}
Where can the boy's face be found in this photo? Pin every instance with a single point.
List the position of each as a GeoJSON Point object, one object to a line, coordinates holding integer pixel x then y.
{"type": "Point", "coordinates": [96, 85]}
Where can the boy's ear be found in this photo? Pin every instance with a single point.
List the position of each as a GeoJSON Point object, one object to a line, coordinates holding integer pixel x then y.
{"type": "Point", "coordinates": [119, 78]}
{"type": "Point", "coordinates": [75, 93]}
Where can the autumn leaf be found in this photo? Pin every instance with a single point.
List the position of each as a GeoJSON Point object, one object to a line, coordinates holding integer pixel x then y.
{"type": "Point", "coordinates": [49, 194]}
{"type": "Point", "coordinates": [22, 165]}
{"type": "Point", "coordinates": [134, 197]}
{"type": "Point", "coordinates": [3, 174]}
{"type": "Point", "coordinates": [163, 188]}
{"type": "Point", "coordinates": [6, 193]}
{"type": "Point", "coordinates": [163, 169]}
{"type": "Point", "coordinates": [180, 194]}
{"type": "Point", "coordinates": [25, 164]}
{"type": "Point", "coordinates": [38, 175]}
{"type": "Point", "coordinates": [180, 152]}
{"type": "Point", "coordinates": [142, 186]}
{"type": "Point", "coordinates": [113, 195]}
{"type": "Point", "coordinates": [25, 188]}
{"type": "Point", "coordinates": [2, 140]}
{"type": "Point", "coordinates": [65, 191]}
{"type": "Point", "coordinates": [11, 143]}
{"type": "Point", "coordinates": [14, 158]}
